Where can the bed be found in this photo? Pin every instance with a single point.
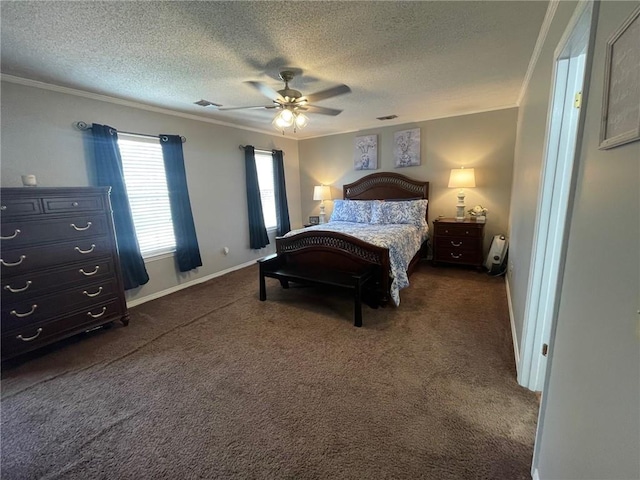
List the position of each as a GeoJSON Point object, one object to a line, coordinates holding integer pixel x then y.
{"type": "Point", "coordinates": [346, 249]}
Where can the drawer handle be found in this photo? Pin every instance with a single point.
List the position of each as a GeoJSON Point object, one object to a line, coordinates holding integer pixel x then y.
{"type": "Point", "coordinates": [78, 249]}
{"type": "Point", "coordinates": [81, 229]}
{"type": "Point", "coordinates": [467, 232]}
{"type": "Point", "coordinates": [456, 256]}
{"type": "Point", "coordinates": [15, 234]}
{"type": "Point", "coordinates": [18, 290]}
{"type": "Point", "coordinates": [88, 274]}
{"type": "Point", "coordinates": [74, 204]}
{"type": "Point", "coordinates": [456, 244]}
{"type": "Point", "coordinates": [3, 207]}
{"type": "Point", "coordinates": [98, 292]}
{"type": "Point", "coordinates": [22, 315]}
{"type": "Point", "coordinates": [15, 264]}
{"type": "Point", "coordinates": [28, 339]}
{"type": "Point", "coordinates": [97, 315]}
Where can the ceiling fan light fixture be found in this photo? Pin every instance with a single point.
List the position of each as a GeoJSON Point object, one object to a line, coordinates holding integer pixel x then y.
{"type": "Point", "coordinates": [301, 121]}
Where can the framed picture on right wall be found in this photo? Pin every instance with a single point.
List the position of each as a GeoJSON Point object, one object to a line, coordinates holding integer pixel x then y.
{"type": "Point", "coordinates": [621, 102]}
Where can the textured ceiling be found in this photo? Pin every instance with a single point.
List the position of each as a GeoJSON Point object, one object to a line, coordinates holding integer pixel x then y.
{"type": "Point", "coordinates": [417, 60]}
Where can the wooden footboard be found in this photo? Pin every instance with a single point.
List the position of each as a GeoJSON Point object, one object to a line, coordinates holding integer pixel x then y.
{"type": "Point", "coordinates": [333, 251]}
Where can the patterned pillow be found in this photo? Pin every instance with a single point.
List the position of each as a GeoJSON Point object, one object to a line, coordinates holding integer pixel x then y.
{"type": "Point", "coordinates": [358, 211]}
{"type": "Point", "coordinates": [412, 212]}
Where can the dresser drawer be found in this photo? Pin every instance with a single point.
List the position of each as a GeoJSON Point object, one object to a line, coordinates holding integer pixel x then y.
{"type": "Point", "coordinates": [49, 230]}
{"type": "Point", "coordinates": [47, 281]}
{"type": "Point", "coordinates": [73, 203]}
{"type": "Point", "coordinates": [18, 261]}
{"type": "Point", "coordinates": [34, 310]}
{"type": "Point", "coordinates": [11, 206]}
{"type": "Point", "coordinates": [30, 337]}
{"type": "Point", "coordinates": [453, 230]}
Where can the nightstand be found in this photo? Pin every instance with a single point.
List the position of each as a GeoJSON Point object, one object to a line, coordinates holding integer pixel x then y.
{"type": "Point", "coordinates": [458, 242]}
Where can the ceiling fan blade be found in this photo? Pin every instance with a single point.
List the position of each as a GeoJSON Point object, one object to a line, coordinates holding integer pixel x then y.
{"type": "Point", "coordinates": [245, 108]}
{"type": "Point", "coordinates": [267, 91]}
{"type": "Point", "coordinates": [322, 110]}
{"type": "Point", "coordinates": [328, 93]}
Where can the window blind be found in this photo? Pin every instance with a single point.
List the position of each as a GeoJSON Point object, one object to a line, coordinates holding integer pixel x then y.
{"type": "Point", "coordinates": [146, 183]}
{"type": "Point", "coordinates": [264, 166]}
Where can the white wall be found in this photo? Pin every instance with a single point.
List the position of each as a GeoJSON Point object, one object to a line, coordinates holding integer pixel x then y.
{"type": "Point", "coordinates": [590, 416]}
{"type": "Point", "coordinates": [38, 137]}
{"type": "Point", "coordinates": [484, 141]}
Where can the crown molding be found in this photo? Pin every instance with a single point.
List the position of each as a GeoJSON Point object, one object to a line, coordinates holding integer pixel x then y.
{"type": "Point", "coordinates": [542, 36]}
{"type": "Point", "coordinates": [128, 103]}
{"type": "Point", "coordinates": [142, 106]}
{"type": "Point", "coordinates": [377, 127]}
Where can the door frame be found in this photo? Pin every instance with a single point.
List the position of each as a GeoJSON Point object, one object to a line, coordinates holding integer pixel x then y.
{"type": "Point", "coordinates": [572, 61]}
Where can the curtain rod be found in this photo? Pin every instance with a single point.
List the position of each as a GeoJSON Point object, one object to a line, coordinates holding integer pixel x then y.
{"type": "Point", "coordinates": [84, 126]}
{"type": "Point", "coordinates": [242, 147]}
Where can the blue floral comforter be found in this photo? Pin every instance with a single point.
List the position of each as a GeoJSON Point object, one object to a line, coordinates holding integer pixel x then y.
{"type": "Point", "coordinates": [402, 240]}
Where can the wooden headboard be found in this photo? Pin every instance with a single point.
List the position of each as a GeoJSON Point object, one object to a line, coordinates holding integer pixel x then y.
{"type": "Point", "coordinates": [386, 186]}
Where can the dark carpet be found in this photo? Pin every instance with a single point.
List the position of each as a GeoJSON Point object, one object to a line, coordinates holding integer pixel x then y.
{"type": "Point", "coordinates": [211, 383]}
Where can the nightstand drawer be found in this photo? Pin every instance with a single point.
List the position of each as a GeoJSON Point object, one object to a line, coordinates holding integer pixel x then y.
{"type": "Point", "coordinates": [462, 230]}
{"type": "Point", "coordinates": [458, 255]}
{"type": "Point", "coordinates": [458, 243]}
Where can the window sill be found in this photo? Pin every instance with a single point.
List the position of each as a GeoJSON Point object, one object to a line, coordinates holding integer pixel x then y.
{"type": "Point", "coordinates": [159, 256]}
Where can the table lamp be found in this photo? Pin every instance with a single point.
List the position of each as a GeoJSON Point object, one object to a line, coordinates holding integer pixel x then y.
{"type": "Point", "coordinates": [322, 193]}
{"type": "Point", "coordinates": [461, 178]}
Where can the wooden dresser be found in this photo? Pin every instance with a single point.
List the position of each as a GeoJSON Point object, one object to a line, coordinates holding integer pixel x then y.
{"type": "Point", "coordinates": [458, 242]}
{"type": "Point", "coordinates": [60, 267]}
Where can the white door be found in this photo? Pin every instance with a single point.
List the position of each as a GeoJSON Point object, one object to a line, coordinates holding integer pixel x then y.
{"type": "Point", "coordinates": [549, 245]}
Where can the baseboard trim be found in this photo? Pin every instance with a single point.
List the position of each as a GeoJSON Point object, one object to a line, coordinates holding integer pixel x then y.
{"type": "Point", "coordinates": [514, 337]}
{"type": "Point", "coordinates": [535, 475]}
{"type": "Point", "coordinates": [182, 286]}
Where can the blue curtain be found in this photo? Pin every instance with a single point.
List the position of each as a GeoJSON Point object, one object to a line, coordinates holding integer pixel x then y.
{"type": "Point", "coordinates": [257, 231]}
{"type": "Point", "coordinates": [280, 193]}
{"type": "Point", "coordinates": [187, 250]}
{"type": "Point", "coordinates": [109, 173]}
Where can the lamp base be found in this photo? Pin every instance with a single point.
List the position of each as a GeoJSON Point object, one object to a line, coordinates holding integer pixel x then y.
{"type": "Point", "coordinates": [460, 206]}
{"type": "Point", "coordinates": [323, 217]}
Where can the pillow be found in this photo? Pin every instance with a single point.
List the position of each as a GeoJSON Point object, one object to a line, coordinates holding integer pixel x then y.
{"type": "Point", "coordinates": [358, 211]}
{"type": "Point", "coordinates": [407, 211]}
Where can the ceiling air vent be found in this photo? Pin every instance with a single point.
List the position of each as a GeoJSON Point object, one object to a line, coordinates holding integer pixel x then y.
{"type": "Point", "coordinates": [206, 103]}
{"type": "Point", "coordinates": [388, 117]}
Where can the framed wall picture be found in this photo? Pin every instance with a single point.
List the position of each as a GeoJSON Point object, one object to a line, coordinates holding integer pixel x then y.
{"type": "Point", "coordinates": [621, 103]}
{"type": "Point", "coordinates": [314, 220]}
{"type": "Point", "coordinates": [406, 148]}
{"type": "Point", "coordinates": [365, 153]}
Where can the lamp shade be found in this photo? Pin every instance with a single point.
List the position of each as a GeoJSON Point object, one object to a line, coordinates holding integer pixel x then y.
{"type": "Point", "coordinates": [462, 178]}
{"type": "Point", "coordinates": [321, 192]}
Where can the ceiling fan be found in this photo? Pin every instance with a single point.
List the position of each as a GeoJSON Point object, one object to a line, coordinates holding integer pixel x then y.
{"type": "Point", "coordinates": [291, 103]}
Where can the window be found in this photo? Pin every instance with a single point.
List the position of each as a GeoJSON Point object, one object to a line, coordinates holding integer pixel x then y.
{"type": "Point", "coordinates": [146, 183]}
{"type": "Point", "coordinates": [264, 166]}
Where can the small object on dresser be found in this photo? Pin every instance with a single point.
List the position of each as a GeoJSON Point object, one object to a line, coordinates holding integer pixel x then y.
{"type": "Point", "coordinates": [314, 220]}
{"type": "Point", "coordinates": [29, 181]}
{"type": "Point", "coordinates": [478, 213]}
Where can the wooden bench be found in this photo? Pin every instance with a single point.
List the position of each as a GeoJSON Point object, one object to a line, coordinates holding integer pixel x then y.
{"type": "Point", "coordinates": [273, 266]}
